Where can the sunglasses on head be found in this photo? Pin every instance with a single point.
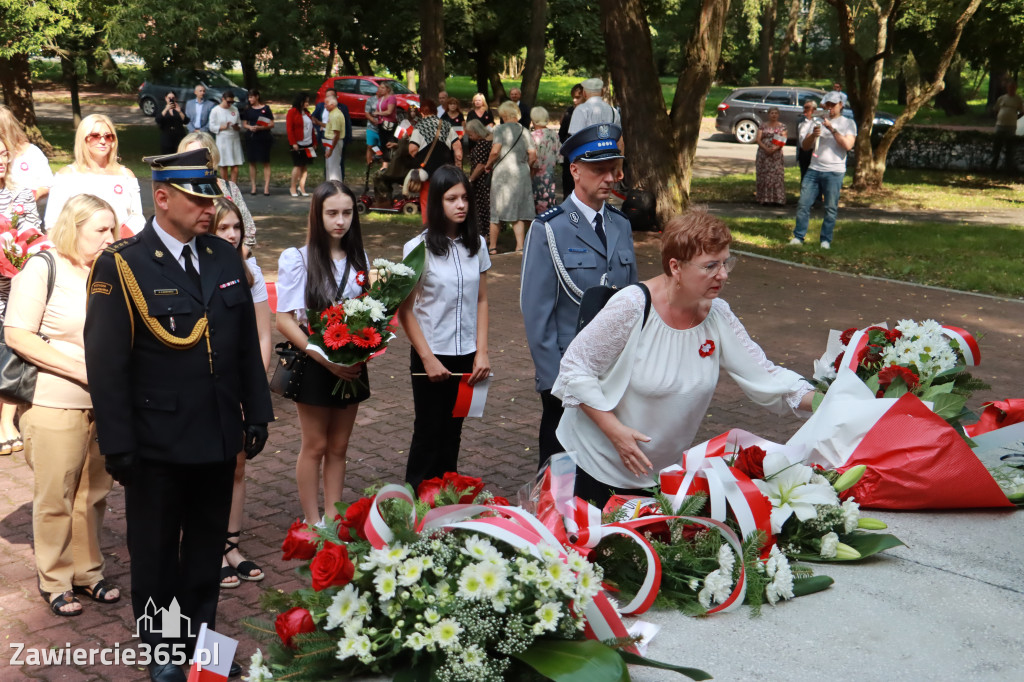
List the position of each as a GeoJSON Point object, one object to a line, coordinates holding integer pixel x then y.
{"type": "Point", "coordinates": [106, 137]}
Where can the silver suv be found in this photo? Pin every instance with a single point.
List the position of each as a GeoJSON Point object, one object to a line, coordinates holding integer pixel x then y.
{"type": "Point", "coordinates": [743, 111]}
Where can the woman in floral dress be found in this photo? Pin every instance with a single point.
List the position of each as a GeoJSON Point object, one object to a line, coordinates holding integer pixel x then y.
{"type": "Point", "coordinates": [545, 141]}
{"type": "Point", "coordinates": [771, 180]}
{"type": "Point", "coordinates": [479, 179]}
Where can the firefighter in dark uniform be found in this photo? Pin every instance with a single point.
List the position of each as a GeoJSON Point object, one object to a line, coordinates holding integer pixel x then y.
{"type": "Point", "coordinates": [178, 388]}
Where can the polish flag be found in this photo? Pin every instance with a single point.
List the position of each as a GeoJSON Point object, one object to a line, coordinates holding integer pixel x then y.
{"type": "Point", "coordinates": [459, 130]}
{"type": "Point", "coordinates": [404, 130]}
{"type": "Point", "coordinates": [212, 660]}
{"type": "Point", "coordinates": [470, 400]}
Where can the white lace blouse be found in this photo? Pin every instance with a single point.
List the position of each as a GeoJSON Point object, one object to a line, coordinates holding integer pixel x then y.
{"type": "Point", "coordinates": [659, 381]}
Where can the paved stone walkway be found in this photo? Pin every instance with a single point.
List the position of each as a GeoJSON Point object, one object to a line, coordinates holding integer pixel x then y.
{"type": "Point", "coordinates": [787, 309]}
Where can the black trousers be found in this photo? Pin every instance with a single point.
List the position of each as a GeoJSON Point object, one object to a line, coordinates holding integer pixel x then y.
{"type": "Point", "coordinates": [177, 518]}
{"type": "Point", "coordinates": [550, 415]}
{"type": "Point", "coordinates": [803, 157]}
{"type": "Point", "coordinates": [592, 490]}
{"type": "Point", "coordinates": [436, 434]}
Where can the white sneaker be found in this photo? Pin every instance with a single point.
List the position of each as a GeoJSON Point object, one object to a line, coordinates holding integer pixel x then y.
{"type": "Point", "coordinates": [795, 242]}
{"type": "Point", "coordinates": [826, 246]}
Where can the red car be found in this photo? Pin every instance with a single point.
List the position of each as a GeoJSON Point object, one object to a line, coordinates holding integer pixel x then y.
{"type": "Point", "coordinates": [353, 91]}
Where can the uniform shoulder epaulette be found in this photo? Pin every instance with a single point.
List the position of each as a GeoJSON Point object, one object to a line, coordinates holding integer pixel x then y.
{"type": "Point", "coordinates": [615, 210]}
{"type": "Point", "coordinates": [121, 243]}
{"type": "Point", "coordinates": [549, 214]}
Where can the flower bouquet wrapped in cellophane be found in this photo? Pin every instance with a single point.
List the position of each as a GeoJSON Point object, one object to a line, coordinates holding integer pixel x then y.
{"type": "Point", "coordinates": [359, 329]}
{"type": "Point", "coordinates": [449, 584]}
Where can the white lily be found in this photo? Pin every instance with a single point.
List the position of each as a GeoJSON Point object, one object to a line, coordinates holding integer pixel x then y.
{"type": "Point", "coordinates": [789, 488]}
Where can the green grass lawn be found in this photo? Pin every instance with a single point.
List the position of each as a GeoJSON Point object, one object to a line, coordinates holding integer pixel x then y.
{"type": "Point", "coordinates": [979, 258]}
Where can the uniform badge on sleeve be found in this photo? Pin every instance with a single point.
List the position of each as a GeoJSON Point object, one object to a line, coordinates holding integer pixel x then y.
{"type": "Point", "coordinates": [100, 288]}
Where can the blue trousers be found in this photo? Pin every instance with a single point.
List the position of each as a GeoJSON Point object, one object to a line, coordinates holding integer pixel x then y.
{"type": "Point", "coordinates": [817, 183]}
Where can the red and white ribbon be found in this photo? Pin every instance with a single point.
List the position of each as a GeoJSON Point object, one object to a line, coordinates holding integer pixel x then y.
{"type": "Point", "coordinates": [968, 345]}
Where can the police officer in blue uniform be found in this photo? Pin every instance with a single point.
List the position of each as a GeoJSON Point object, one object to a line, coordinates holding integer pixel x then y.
{"type": "Point", "coordinates": [178, 389]}
{"type": "Point", "coordinates": [582, 243]}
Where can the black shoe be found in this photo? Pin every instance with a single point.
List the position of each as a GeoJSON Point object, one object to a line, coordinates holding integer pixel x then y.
{"type": "Point", "coordinates": [166, 673]}
{"type": "Point", "coordinates": [235, 671]}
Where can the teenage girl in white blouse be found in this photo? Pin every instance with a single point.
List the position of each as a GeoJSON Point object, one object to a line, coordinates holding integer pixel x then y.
{"type": "Point", "coordinates": [314, 277]}
{"type": "Point", "coordinates": [445, 318]}
{"type": "Point", "coordinates": [640, 389]}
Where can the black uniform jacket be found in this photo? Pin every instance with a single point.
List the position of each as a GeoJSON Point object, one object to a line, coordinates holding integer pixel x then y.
{"type": "Point", "coordinates": [161, 402]}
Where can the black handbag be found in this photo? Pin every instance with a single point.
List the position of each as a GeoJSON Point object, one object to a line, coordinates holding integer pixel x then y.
{"type": "Point", "coordinates": [18, 375]}
{"type": "Point", "coordinates": [288, 371]}
{"type": "Point", "coordinates": [595, 298]}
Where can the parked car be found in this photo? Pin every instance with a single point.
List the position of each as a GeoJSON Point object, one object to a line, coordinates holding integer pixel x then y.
{"type": "Point", "coordinates": [182, 83]}
{"type": "Point", "coordinates": [743, 111]}
{"type": "Point", "coordinates": [353, 91]}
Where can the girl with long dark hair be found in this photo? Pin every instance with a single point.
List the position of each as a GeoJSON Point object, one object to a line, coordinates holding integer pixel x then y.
{"type": "Point", "coordinates": [331, 266]}
{"type": "Point", "coordinates": [446, 319]}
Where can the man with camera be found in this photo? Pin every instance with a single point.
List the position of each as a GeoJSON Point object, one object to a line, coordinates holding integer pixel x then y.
{"type": "Point", "coordinates": [171, 121]}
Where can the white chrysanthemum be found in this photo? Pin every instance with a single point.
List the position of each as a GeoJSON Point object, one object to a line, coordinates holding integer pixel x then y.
{"type": "Point", "coordinates": [376, 309]}
{"type": "Point", "coordinates": [380, 263]}
{"type": "Point", "coordinates": [851, 514]}
{"type": "Point", "coordinates": [726, 559]}
{"type": "Point", "coordinates": [470, 584]}
{"type": "Point", "coordinates": [386, 584]}
{"type": "Point", "coordinates": [549, 553]}
{"type": "Point", "coordinates": [363, 649]}
{"type": "Point", "coordinates": [446, 633]}
{"type": "Point", "coordinates": [258, 672]}
{"type": "Point", "coordinates": [480, 549]}
{"type": "Point", "coordinates": [694, 584]}
{"type": "Point", "coordinates": [431, 616]}
{"type": "Point", "coordinates": [588, 585]}
{"type": "Point", "coordinates": [354, 306]}
{"type": "Point", "coordinates": [410, 571]}
{"type": "Point", "coordinates": [529, 571]}
{"type": "Point", "coordinates": [401, 270]}
{"type": "Point", "coordinates": [346, 648]}
{"type": "Point", "coordinates": [493, 578]}
{"type": "Point", "coordinates": [343, 607]}
{"type": "Point", "coordinates": [417, 641]}
{"type": "Point", "coordinates": [473, 657]}
{"type": "Point", "coordinates": [559, 572]}
{"type": "Point", "coordinates": [829, 543]}
{"type": "Point", "coordinates": [717, 588]}
{"type": "Point", "coordinates": [547, 616]}
{"type": "Point", "coordinates": [781, 586]}
{"type": "Point", "coordinates": [577, 562]}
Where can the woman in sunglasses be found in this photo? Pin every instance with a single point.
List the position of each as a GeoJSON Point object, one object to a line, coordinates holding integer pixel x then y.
{"type": "Point", "coordinates": [96, 171]}
{"type": "Point", "coordinates": [641, 374]}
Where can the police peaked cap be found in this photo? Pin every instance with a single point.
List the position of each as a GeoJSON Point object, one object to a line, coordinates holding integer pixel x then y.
{"type": "Point", "coordinates": [192, 172]}
{"type": "Point", "coordinates": [593, 143]}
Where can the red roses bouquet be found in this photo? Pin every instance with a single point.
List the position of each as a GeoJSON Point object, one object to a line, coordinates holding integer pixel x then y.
{"type": "Point", "coordinates": [359, 329]}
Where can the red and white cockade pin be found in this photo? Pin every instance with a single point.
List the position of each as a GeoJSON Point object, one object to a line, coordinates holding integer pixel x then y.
{"type": "Point", "coordinates": [706, 348]}
{"type": "Point", "coordinates": [118, 189]}
{"type": "Point", "coordinates": [360, 278]}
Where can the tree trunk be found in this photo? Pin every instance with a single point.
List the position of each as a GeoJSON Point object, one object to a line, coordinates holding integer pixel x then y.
{"type": "Point", "coordinates": [764, 73]}
{"type": "Point", "coordinates": [535, 51]}
{"type": "Point", "coordinates": [90, 47]}
{"type": "Point", "coordinates": [952, 99]}
{"type": "Point", "coordinates": [432, 47]}
{"type": "Point", "coordinates": [497, 87]}
{"type": "Point", "coordinates": [864, 77]}
{"type": "Point", "coordinates": [347, 67]}
{"type": "Point", "coordinates": [16, 79]}
{"type": "Point", "coordinates": [410, 79]}
{"type": "Point", "coordinates": [482, 59]}
{"type": "Point", "coordinates": [811, 9]}
{"type": "Point", "coordinates": [109, 68]}
{"type": "Point", "coordinates": [250, 76]}
{"type": "Point", "coordinates": [996, 86]}
{"type": "Point", "coordinates": [662, 146]}
{"type": "Point", "coordinates": [792, 37]}
{"type": "Point", "coordinates": [329, 62]}
{"type": "Point", "coordinates": [363, 61]}
{"type": "Point", "coordinates": [69, 72]}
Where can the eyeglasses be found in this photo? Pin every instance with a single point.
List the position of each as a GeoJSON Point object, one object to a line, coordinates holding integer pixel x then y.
{"type": "Point", "coordinates": [711, 269]}
{"type": "Point", "coordinates": [106, 137]}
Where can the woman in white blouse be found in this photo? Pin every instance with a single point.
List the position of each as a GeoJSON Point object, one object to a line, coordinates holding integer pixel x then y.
{"type": "Point", "coordinates": [225, 123]}
{"type": "Point", "coordinates": [227, 224]}
{"type": "Point", "coordinates": [640, 381]}
{"type": "Point", "coordinates": [331, 266]}
{"type": "Point", "coordinates": [96, 171]}
{"type": "Point", "coordinates": [446, 320]}
{"type": "Point", "coordinates": [28, 167]}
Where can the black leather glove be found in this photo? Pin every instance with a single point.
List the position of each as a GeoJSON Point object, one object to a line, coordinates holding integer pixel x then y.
{"type": "Point", "coordinates": [119, 466]}
{"type": "Point", "coordinates": [255, 439]}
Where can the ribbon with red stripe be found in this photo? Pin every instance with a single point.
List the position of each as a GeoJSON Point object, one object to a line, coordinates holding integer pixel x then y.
{"type": "Point", "coordinates": [968, 345]}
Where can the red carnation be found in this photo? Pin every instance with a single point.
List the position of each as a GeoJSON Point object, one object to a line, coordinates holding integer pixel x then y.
{"type": "Point", "coordinates": [367, 337]}
{"type": "Point", "coordinates": [469, 486]}
{"type": "Point", "coordinates": [355, 517]}
{"type": "Point", "coordinates": [751, 461]}
{"type": "Point", "coordinates": [293, 622]}
{"type": "Point", "coordinates": [336, 335]}
{"type": "Point", "coordinates": [331, 567]}
{"type": "Point", "coordinates": [892, 372]}
{"type": "Point", "coordinates": [299, 543]}
{"type": "Point", "coordinates": [845, 337]}
{"type": "Point", "coordinates": [893, 335]}
{"type": "Point", "coordinates": [500, 501]}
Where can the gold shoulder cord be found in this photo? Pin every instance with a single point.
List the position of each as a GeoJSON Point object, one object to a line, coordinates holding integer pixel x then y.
{"type": "Point", "coordinates": [132, 289]}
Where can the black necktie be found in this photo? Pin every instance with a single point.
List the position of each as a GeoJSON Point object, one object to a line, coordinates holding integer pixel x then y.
{"type": "Point", "coordinates": [599, 228]}
{"type": "Point", "coordinates": [190, 268]}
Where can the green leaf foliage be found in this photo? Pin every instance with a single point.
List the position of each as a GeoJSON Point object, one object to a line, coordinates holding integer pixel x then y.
{"type": "Point", "coordinates": [575, 661]}
{"type": "Point", "coordinates": [867, 544]}
{"type": "Point", "coordinates": [816, 583]}
{"type": "Point", "coordinates": [692, 673]}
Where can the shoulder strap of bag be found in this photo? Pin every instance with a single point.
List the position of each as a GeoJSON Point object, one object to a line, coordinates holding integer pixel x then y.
{"type": "Point", "coordinates": [51, 273]}
{"type": "Point", "coordinates": [437, 136]}
{"type": "Point", "coordinates": [647, 302]}
{"type": "Point", "coordinates": [511, 147]}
